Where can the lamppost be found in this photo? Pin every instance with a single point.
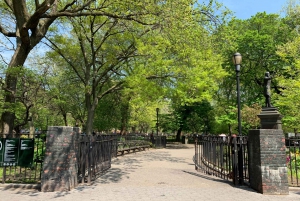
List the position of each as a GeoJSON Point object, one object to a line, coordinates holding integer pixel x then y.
{"type": "Point", "coordinates": [157, 110]}
{"type": "Point", "coordinates": [237, 60]}
{"type": "Point", "coordinates": [238, 154]}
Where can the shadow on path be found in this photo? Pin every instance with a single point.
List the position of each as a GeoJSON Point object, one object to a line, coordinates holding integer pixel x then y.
{"type": "Point", "coordinates": [131, 163]}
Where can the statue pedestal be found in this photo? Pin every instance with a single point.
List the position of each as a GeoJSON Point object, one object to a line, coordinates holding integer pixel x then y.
{"type": "Point", "coordinates": [267, 157]}
{"type": "Point", "coordinates": [270, 118]}
{"type": "Point", "coordinates": [267, 162]}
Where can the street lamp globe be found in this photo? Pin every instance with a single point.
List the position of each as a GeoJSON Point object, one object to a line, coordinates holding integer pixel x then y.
{"type": "Point", "coordinates": [237, 58]}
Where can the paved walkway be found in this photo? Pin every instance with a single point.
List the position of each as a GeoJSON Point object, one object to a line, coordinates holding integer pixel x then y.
{"type": "Point", "coordinates": [163, 174]}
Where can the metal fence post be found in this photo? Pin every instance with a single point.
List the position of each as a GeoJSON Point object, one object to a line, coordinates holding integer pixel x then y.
{"type": "Point", "coordinates": [234, 160]}
{"type": "Point", "coordinates": [196, 154]}
{"type": "Point", "coordinates": [240, 161]}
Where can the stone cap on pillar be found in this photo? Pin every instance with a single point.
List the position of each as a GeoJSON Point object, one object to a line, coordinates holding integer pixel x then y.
{"type": "Point", "coordinates": [270, 118]}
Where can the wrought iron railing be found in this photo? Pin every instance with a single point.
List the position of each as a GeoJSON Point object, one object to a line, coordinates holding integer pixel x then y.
{"type": "Point", "coordinates": [293, 160]}
{"type": "Point", "coordinates": [32, 174]}
{"type": "Point", "coordinates": [94, 156]}
{"type": "Point", "coordinates": [222, 156]}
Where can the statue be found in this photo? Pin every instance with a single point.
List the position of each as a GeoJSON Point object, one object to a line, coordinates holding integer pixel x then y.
{"type": "Point", "coordinates": [267, 89]}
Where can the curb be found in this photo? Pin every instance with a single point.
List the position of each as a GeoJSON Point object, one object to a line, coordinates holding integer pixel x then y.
{"type": "Point", "coordinates": [294, 188]}
{"type": "Point", "coordinates": [21, 186]}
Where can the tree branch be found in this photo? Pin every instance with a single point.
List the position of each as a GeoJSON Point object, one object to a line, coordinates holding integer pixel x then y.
{"type": "Point", "coordinates": [33, 21]}
{"type": "Point", "coordinates": [118, 86]}
{"type": "Point", "coordinates": [57, 50]}
{"type": "Point", "coordinates": [37, 4]}
{"type": "Point", "coordinates": [153, 77]}
{"type": "Point", "coordinates": [7, 33]}
{"type": "Point", "coordinates": [99, 13]}
{"type": "Point", "coordinates": [9, 4]}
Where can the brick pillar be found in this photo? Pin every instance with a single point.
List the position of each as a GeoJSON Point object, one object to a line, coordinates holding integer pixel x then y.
{"type": "Point", "coordinates": [60, 162]}
{"type": "Point", "coordinates": [267, 157]}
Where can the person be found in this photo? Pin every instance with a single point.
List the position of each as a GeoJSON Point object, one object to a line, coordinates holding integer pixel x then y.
{"type": "Point", "coordinates": [267, 89]}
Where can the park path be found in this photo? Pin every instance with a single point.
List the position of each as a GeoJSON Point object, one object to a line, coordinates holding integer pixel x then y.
{"type": "Point", "coordinates": [155, 174]}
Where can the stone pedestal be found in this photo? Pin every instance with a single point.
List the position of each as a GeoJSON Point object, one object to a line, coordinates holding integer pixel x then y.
{"type": "Point", "coordinates": [267, 161]}
{"type": "Point", "coordinates": [270, 118]}
{"type": "Point", "coordinates": [267, 157]}
{"type": "Point", "coordinates": [60, 164]}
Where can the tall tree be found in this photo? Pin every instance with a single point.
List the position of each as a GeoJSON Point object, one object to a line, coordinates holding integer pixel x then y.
{"type": "Point", "coordinates": [29, 22]}
{"type": "Point", "coordinates": [257, 40]}
{"type": "Point", "coordinates": [290, 82]}
{"type": "Point", "coordinates": [109, 53]}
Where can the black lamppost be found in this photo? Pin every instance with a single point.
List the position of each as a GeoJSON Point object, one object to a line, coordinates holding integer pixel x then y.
{"type": "Point", "coordinates": [238, 154]}
{"type": "Point", "coordinates": [157, 110]}
{"type": "Point", "coordinates": [237, 60]}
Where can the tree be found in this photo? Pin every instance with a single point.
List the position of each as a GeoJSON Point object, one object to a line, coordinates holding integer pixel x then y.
{"type": "Point", "coordinates": [227, 118]}
{"type": "Point", "coordinates": [64, 92]}
{"type": "Point", "coordinates": [29, 97]}
{"type": "Point", "coordinates": [115, 52]}
{"type": "Point", "coordinates": [290, 82]}
{"type": "Point", "coordinates": [197, 117]}
{"type": "Point", "coordinates": [257, 39]}
{"type": "Point", "coordinates": [249, 117]}
{"type": "Point", "coordinates": [30, 21]}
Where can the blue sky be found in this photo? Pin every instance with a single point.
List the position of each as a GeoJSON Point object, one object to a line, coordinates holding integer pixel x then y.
{"type": "Point", "coordinates": [244, 9]}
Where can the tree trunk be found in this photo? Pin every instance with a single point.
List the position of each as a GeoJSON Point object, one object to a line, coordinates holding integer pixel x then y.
{"type": "Point", "coordinates": [124, 115]}
{"type": "Point", "coordinates": [91, 104]}
{"type": "Point", "coordinates": [229, 129]}
{"type": "Point", "coordinates": [18, 60]}
{"type": "Point", "coordinates": [178, 134]}
{"type": "Point", "coordinates": [90, 121]}
{"type": "Point", "coordinates": [31, 129]}
{"type": "Point", "coordinates": [65, 119]}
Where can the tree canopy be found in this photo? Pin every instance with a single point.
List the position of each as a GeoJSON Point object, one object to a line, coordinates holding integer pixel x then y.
{"type": "Point", "coordinates": [107, 65]}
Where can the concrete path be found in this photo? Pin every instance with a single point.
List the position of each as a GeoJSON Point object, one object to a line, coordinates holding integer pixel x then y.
{"type": "Point", "coordinates": [163, 174]}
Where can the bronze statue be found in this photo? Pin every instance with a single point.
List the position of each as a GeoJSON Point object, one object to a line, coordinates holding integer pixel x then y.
{"type": "Point", "coordinates": [267, 89]}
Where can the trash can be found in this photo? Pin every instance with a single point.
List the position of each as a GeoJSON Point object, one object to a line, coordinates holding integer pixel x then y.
{"type": "Point", "coordinates": [183, 139]}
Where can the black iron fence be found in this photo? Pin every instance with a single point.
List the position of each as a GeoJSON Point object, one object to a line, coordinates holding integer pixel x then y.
{"type": "Point", "coordinates": [10, 173]}
{"type": "Point", "coordinates": [293, 161]}
{"type": "Point", "coordinates": [94, 156]}
{"type": "Point", "coordinates": [222, 156]}
{"type": "Point", "coordinates": [227, 157]}
{"type": "Point", "coordinates": [159, 141]}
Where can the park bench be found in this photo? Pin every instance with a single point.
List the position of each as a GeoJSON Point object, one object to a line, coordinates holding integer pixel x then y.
{"type": "Point", "coordinates": [132, 146]}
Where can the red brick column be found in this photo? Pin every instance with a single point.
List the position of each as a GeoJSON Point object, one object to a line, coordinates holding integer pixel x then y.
{"type": "Point", "coordinates": [60, 162]}
{"type": "Point", "coordinates": [267, 157]}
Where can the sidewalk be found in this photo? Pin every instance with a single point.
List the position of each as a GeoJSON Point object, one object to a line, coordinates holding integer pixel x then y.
{"type": "Point", "coordinates": [162, 174]}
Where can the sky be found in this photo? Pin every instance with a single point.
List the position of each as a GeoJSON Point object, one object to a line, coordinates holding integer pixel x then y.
{"type": "Point", "coordinates": [244, 9]}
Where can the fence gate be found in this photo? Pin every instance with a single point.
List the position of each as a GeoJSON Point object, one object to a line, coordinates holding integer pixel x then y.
{"type": "Point", "coordinates": [222, 156]}
{"type": "Point", "coordinates": [94, 156]}
{"type": "Point", "coordinates": [227, 157]}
